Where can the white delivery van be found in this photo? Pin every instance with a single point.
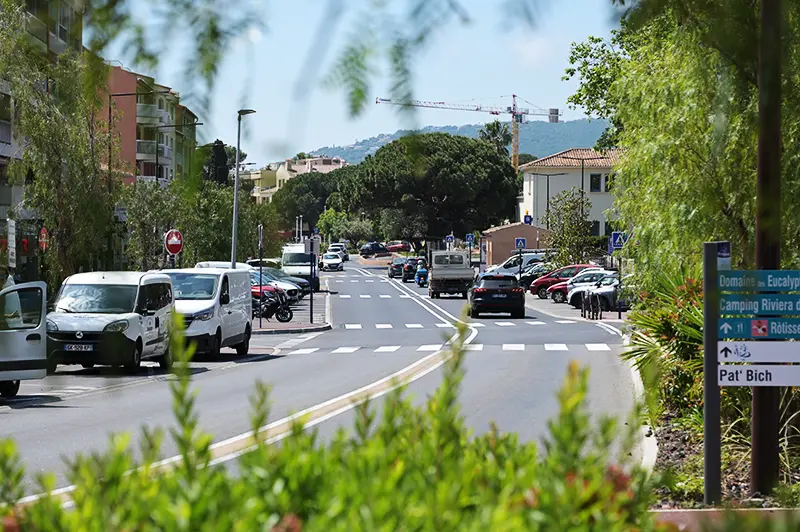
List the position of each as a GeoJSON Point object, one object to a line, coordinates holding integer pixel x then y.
{"type": "Point", "coordinates": [23, 342]}
{"type": "Point", "coordinates": [297, 263]}
{"type": "Point", "coordinates": [216, 305]}
{"type": "Point", "coordinates": [111, 318]}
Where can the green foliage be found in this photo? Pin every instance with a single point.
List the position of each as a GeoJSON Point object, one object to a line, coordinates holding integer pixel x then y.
{"type": "Point", "coordinates": [152, 210]}
{"type": "Point", "coordinates": [332, 223]}
{"type": "Point", "coordinates": [57, 114]}
{"type": "Point", "coordinates": [307, 195]}
{"type": "Point", "coordinates": [215, 160]}
{"type": "Point", "coordinates": [497, 134]}
{"type": "Point", "coordinates": [568, 219]}
{"type": "Point", "coordinates": [396, 224]}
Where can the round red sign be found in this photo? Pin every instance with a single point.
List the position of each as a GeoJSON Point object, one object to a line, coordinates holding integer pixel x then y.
{"type": "Point", "coordinates": [44, 239]}
{"type": "Point", "coordinates": [173, 241]}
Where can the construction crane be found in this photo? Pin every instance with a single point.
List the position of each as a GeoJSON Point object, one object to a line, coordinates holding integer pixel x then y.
{"type": "Point", "coordinates": [518, 115]}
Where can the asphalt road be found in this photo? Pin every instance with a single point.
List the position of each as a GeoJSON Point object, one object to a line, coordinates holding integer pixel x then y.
{"type": "Point", "coordinates": [380, 327]}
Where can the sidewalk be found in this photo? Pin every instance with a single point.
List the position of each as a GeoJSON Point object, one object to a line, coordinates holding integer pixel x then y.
{"type": "Point", "coordinates": [568, 312]}
{"type": "Point", "coordinates": [302, 322]}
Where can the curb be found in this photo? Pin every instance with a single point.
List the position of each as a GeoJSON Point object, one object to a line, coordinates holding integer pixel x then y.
{"type": "Point", "coordinates": [696, 520]}
{"type": "Point", "coordinates": [313, 328]}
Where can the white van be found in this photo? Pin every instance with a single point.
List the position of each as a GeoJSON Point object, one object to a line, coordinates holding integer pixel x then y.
{"type": "Point", "coordinates": [111, 318]}
{"type": "Point", "coordinates": [511, 265]}
{"type": "Point", "coordinates": [23, 343]}
{"type": "Point", "coordinates": [297, 263]}
{"type": "Point", "coordinates": [216, 305]}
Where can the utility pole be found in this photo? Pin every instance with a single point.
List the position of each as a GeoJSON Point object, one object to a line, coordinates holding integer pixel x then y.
{"type": "Point", "coordinates": [583, 168]}
{"type": "Point", "coordinates": [766, 400]}
{"type": "Point", "coordinates": [547, 208]}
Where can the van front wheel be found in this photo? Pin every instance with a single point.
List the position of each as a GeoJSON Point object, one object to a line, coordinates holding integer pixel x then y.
{"type": "Point", "coordinates": [244, 348]}
{"type": "Point", "coordinates": [9, 389]}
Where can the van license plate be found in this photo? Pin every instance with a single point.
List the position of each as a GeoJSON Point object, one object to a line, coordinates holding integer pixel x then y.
{"type": "Point", "coordinates": [78, 347]}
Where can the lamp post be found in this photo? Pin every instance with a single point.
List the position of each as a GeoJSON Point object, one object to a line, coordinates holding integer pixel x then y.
{"type": "Point", "coordinates": [583, 161]}
{"type": "Point", "coordinates": [548, 189]}
{"type": "Point", "coordinates": [240, 114]}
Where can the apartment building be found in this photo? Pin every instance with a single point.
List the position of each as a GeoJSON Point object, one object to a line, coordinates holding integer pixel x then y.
{"type": "Point", "coordinates": [291, 168]}
{"type": "Point", "coordinates": [582, 168]}
{"type": "Point", "coordinates": [264, 182]}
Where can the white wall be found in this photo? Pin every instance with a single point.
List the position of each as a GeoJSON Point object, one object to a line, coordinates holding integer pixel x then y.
{"type": "Point", "coordinates": [535, 192]}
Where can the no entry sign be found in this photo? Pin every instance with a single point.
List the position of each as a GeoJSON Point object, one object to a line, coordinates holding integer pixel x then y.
{"type": "Point", "coordinates": [173, 241]}
{"type": "Point", "coordinates": [44, 239]}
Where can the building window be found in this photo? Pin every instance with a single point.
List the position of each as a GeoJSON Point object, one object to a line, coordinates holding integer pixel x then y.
{"type": "Point", "coordinates": [594, 183]}
{"type": "Point", "coordinates": [595, 229]}
{"type": "Point", "coordinates": [609, 182]}
{"type": "Point", "coordinates": [160, 103]}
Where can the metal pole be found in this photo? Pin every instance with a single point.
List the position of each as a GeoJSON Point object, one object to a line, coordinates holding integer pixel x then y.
{"type": "Point", "coordinates": [583, 188]}
{"type": "Point", "coordinates": [311, 294]}
{"type": "Point", "coordinates": [236, 194]}
{"type": "Point", "coordinates": [619, 296]}
{"type": "Point", "coordinates": [548, 201]}
{"type": "Point", "coordinates": [261, 282]}
{"type": "Point", "coordinates": [301, 228]}
{"type": "Point", "coordinates": [110, 189]}
{"type": "Point", "coordinates": [712, 461]}
{"type": "Point", "coordinates": [157, 172]}
{"type": "Point", "coordinates": [766, 400]}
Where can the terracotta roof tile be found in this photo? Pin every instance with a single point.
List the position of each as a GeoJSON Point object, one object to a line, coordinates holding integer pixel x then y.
{"type": "Point", "coordinates": [509, 226]}
{"type": "Point", "coordinates": [571, 159]}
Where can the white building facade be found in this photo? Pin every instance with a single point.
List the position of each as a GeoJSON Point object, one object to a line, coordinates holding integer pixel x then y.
{"type": "Point", "coordinates": [582, 168]}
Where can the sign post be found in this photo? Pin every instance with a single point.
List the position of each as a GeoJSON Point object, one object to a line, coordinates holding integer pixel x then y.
{"type": "Point", "coordinates": [449, 239]}
{"type": "Point", "coordinates": [520, 244]}
{"type": "Point", "coordinates": [712, 453]}
{"type": "Point", "coordinates": [618, 240]}
{"type": "Point", "coordinates": [12, 243]}
{"type": "Point", "coordinates": [261, 274]}
{"type": "Point", "coordinates": [469, 238]}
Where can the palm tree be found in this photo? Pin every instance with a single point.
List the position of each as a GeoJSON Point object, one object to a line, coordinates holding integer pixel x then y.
{"type": "Point", "coordinates": [498, 134]}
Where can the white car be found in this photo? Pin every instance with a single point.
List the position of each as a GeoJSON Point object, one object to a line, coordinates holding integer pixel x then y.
{"type": "Point", "coordinates": [584, 282]}
{"type": "Point", "coordinates": [111, 318]}
{"type": "Point", "coordinates": [332, 262]}
{"type": "Point", "coordinates": [23, 342]}
{"type": "Point", "coordinates": [340, 247]}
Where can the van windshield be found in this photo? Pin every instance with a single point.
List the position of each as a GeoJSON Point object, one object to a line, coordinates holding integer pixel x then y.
{"type": "Point", "coordinates": [97, 298]}
{"type": "Point", "coordinates": [297, 259]}
{"type": "Point", "coordinates": [194, 286]}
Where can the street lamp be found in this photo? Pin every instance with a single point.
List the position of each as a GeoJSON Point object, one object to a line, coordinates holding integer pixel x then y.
{"type": "Point", "coordinates": [240, 114]}
{"type": "Point", "coordinates": [548, 190]}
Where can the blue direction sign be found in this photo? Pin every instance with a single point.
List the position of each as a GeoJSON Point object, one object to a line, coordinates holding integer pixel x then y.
{"type": "Point", "coordinates": [527, 219]}
{"type": "Point", "coordinates": [618, 239]}
{"type": "Point", "coordinates": [449, 238]}
{"type": "Point", "coordinates": [759, 281]}
{"type": "Point", "coordinates": [469, 238]}
{"type": "Point", "coordinates": [759, 328]}
{"type": "Point", "coordinates": [759, 305]}
{"type": "Point", "coordinates": [520, 243]}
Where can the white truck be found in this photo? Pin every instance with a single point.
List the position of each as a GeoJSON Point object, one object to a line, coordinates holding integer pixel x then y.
{"type": "Point", "coordinates": [450, 272]}
{"type": "Point", "coordinates": [296, 261]}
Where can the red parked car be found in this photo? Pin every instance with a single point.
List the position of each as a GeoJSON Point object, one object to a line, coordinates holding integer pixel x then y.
{"type": "Point", "coordinates": [558, 292]}
{"type": "Point", "coordinates": [540, 285]}
{"type": "Point", "coordinates": [397, 246]}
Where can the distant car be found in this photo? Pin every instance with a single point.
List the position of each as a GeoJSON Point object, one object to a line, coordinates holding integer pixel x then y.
{"type": "Point", "coordinates": [338, 246]}
{"type": "Point", "coordinates": [397, 246]}
{"type": "Point", "coordinates": [373, 248]}
{"type": "Point", "coordinates": [496, 293]}
{"type": "Point", "coordinates": [608, 291]}
{"type": "Point", "coordinates": [534, 272]}
{"type": "Point", "coordinates": [540, 285]}
{"type": "Point", "coordinates": [303, 284]}
{"type": "Point", "coordinates": [332, 262]}
{"type": "Point", "coordinates": [558, 292]}
{"type": "Point", "coordinates": [410, 269]}
{"type": "Point", "coordinates": [396, 267]}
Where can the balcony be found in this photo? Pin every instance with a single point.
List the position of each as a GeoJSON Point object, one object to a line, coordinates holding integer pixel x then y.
{"type": "Point", "coordinates": [148, 113]}
{"type": "Point", "coordinates": [5, 132]}
{"type": "Point", "coordinates": [146, 151]}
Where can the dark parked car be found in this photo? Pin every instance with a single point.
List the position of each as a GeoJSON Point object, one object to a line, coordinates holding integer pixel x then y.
{"type": "Point", "coordinates": [533, 273]}
{"type": "Point", "coordinates": [396, 267]}
{"type": "Point", "coordinates": [410, 268]}
{"type": "Point", "coordinates": [373, 248]}
{"type": "Point", "coordinates": [540, 285]}
{"type": "Point", "coordinates": [496, 293]}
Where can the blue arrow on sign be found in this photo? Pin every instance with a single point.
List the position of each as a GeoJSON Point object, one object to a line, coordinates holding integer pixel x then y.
{"type": "Point", "coordinates": [519, 243]}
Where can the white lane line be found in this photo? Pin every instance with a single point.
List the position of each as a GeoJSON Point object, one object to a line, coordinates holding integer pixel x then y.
{"type": "Point", "coordinates": [405, 296]}
{"type": "Point", "coordinates": [387, 349]}
{"type": "Point", "coordinates": [385, 296]}
{"type": "Point", "coordinates": [365, 296]}
{"type": "Point", "coordinates": [383, 325]}
{"type": "Point", "coordinates": [369, 281]}
{"type": "Point", "coordinates": [566, 321]}
{"type": "Point", "coordinates": [535, 322]}
{"type": "Point", "coordinates": [598, 347]}
{"type": "Point", "coordinates": [555, 347]}
{"type": "Point", "coordinates": [345, 350]}
{"type": "Point", "coordinates": [352, 325]}
{"type": "Point", "coordinates": [445, 325]}
{"type": "Point", "coordinates": [354, 281]}
{"type": "Point", "coordinates": [477, 324]}
{"type": "Point", "coordinates": [473, 347]}
{"type": "Point", "coordinates": [413, 326]}
{"type": "Point", "coordinates": [513, 347]}
{"type": "Point", "coordinates": [344, 296]}
{"type": "Point", "coordinates": [504, 323]}
{"type": "Point", "coordinates": [338, 281]}
{"type": "Point", "coordinates": [425, 296]}
{"type": "Point", "coordinates": [385, 280]}
{"type": "Point", "coordinates": [429, 347]}
{"type": "Point", "coordinates": [304, 351]}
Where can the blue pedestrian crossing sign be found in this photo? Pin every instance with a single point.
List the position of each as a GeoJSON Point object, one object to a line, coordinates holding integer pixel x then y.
{"type": "Point", "coordinates": [469, 238]}
{"type": "Point", "coordinates": [449, 238]}
{"type": "Point", "coordinates": [618, 239]}
{"type": "Point", "coordinates": [520, 243]}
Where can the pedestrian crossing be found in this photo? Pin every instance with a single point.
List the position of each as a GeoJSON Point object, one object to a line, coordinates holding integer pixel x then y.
{"type": "Point", "coordinates": [477, 324]}
{"type": "Point", "coordinates": [432, 348]}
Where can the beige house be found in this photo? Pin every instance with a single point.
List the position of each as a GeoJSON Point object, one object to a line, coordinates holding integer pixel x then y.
{"type": "Point", "coordinates": [500, 241]}
{"type": "Point", "coordinates": [291, 168]}
{"type": "Point", "coordinates": [582, 168]}
{"type": "Point", "coordinates": [265, 183]}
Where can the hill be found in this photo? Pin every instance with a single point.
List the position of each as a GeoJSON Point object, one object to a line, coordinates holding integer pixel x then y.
{"type": "Point", "coordinates": [537, 138]}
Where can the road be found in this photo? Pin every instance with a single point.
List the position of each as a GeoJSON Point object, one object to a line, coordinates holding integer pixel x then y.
{"type": "Point", "coordinates": [513, 369]}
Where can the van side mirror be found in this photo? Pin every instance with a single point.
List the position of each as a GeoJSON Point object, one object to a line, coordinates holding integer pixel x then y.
{"type": "Point", "coordinates": [224, 299]}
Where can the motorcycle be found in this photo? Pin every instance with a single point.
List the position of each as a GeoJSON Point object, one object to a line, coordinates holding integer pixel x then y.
{"type": "Point", "coordinates": [421, 277]}
{"type": "Point", "coordinates": [273, 305]}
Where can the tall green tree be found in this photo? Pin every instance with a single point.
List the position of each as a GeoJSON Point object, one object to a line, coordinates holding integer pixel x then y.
{"type": "Point", "coordinates": [308, 195]}
{"type": "Point", "coordinates": [568, 220]}
{"type": "Point", "coordinates": [57, 116]}
{"type": "Point", "coordinates": [151, 210]}
{"type": "Point", "coordinates": [498, 134]}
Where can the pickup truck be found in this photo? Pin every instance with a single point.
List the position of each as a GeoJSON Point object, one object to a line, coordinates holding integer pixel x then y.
{"type": "Point", "coordinates": [450, 272]}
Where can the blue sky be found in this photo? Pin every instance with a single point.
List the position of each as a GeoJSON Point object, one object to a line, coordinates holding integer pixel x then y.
{"type": "Point", "coordinates": [489, 58]}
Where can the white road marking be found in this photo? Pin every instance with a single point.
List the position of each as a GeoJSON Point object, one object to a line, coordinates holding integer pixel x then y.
{"type": "Point", "coordinates": [413, 326]}
{"type": "Point", "coordinates": [365, 296]}
{"type": "Point", "coordinates": [385, 296]}
{"type": "Point", "coordinates": [598, 347]}
{"type": "Point", "coordinates": [443, 325]}
{"type": "Point", "coordinates": [566, 321]}
{"type": "Point", "coordinates": [477, 324]}
{"type": "Point", "coordinates": [354, 281]}
{"type": "Point", "coordinates": [555, 347]}
{"type": "Point", "coordinates": [473, 347]}
{"type": "Point", "coordinates": [429, 347]}
{"type": "Point", "coordinates": [345, 350]}
{"type": "Point", "coordinates": [352, 326]}
{"type": "Point", "coordinates": [369, 281]}
{"type": "Point", "coordinates": [535, 322]}
{"type": "Point", "coordinates": [383, 325]}
{"type": "Point", "coordinates": [504, 323]}
{"type": "Point", "coordinates": [339, 281]}
{"type": "Point", "coordinates": [387, 349]}
{"type": "Point", "coordinates": [304, 351]}
{"type": "Point", "coordinates": [344, 296]}
{"type": "Point", "coordinates": [405, 296]}
{"type": "Point", "coordinates": [513, 347]}
{"type": "Point", "coordinates": [385, 281]}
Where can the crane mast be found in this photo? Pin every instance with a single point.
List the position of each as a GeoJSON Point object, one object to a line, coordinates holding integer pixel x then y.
{"type": "Point", "coordinates": [517, 113]}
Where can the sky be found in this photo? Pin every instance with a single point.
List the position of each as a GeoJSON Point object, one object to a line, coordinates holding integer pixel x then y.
{"type": "Point", "coordinates": [484, 62]}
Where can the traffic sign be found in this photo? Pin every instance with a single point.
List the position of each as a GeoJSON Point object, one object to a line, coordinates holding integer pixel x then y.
{"type": "Point", "coordinates": [316, 230]}
{"type": "Point", "coordinates": [759, 305]}
{"type": "Point", "coordinates": [12, 243]}
{"type": "Point", "coordinates": [769, 352]}
{"type": "Point", "coordinates": [527, 220]}
{"type": "Point", "coordinates": [520, 243]}
{"type": "Point", "coordinates": [618, 239]}
{"type": "Point", "coordinates": [173, 241]}
{"type": "Point", "coordinates": [759, 280]}
{"type": "Point", "coordinates": [469, 238]}
{"type": "Point", "coordinates": [449, 239]}
{"type": "Point", "coordinates": [755, 375]}
{"type": "Point", "coordinates": [44, 239]}
{"type": "Point", "coordinates": [780, 328]}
